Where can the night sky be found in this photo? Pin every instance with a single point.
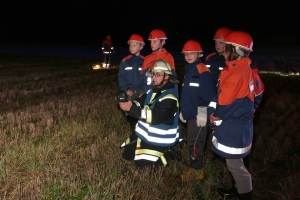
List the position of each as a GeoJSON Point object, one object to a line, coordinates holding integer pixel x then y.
{"type": "Point", "coordinates": [87, 22]}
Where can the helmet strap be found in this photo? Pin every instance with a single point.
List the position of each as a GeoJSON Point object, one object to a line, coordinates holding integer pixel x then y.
{"type": "Point", "coordinates": [238, 51]}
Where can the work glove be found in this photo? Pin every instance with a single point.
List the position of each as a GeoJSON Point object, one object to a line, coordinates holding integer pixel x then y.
{"type": "Point", "coordinates": [181, 118]}
{"type": "Point", "coordinates": [202, 116]}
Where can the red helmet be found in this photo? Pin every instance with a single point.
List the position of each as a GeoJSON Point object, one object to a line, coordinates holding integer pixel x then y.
{"type": "Point", "coordinates": [157, 34]}
{"type": "Point", "coordinates": [192, 46]}
{"type": "Point", "coordinates": [107, 36]}
{"type": "Point", "coordinates": [136, 38]}
{"type": "Point", "coordinates": [240, 39]}
{"type": "Point", "coordinates": [221, 33]}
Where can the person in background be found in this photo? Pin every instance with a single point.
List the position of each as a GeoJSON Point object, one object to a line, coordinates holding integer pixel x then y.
{"type": "Point", "coordinates": [231, 111]}
{"type": "Point", "coordinates": [157, 39]}
{"type": "Point", "coordinates": [157, 112]}
{"type": "Point", "coordinates": [259, 86]}
{"type": "Point", "coordinates": [107, 50]}
{"type": "Point", "coordinates": [198, 90]}
{"type": "Point", "coordinates": [216, 61]}
{"type": "Point", "coordinates": [129, 72]}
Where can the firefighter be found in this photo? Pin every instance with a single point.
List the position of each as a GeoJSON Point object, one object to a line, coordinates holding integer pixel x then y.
{"type": "Point", "coordinates": [157, 112]}
{"type": "Point", "coordinates": [129, 72]}
{"type": "Point", "coordinates": [231, 112]}
{"type": "Point", "coordinates": [130, 67]}
{"type": "Point", "coordinates": [258, 93]}
{"type": "Point", "coordinates": [216, 61]}
{"type": "Point", "coordinates": [198, 89]}
{"type": "Point", "coordinates": [107, 50]}
{"type": "Point", "coordinates": [157, 38]}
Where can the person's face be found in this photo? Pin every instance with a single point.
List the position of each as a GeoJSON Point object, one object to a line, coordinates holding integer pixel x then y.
{"type": "Point", "coordinates": [158, 79]}
{"type": "Point", "coordinates": [135, 48]}
{"type": "Point", "coordinates": [191, 57]}
{"type": "Point", "coordinates": [220, 46]}
{"type": "Point", "coordinates": [156, 44]}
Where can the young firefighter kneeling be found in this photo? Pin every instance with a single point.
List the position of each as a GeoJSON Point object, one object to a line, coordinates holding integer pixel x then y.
{"type": "Point", "coordinates": [157, 129]}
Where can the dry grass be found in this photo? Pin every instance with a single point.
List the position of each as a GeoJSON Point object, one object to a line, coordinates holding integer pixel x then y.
{"type": "Point", "coordinates": [61, 130]}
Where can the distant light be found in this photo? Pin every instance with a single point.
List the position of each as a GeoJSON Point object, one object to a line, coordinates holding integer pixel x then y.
{"type": "Point", "coordinates": [96, 67]}
{"type": "Point", "coordinates": [280, 73]}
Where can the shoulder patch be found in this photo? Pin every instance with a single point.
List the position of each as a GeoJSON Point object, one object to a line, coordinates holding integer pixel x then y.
{"type": "Point", "coordinates": [202, 68]}
{"type": "Point", "coordinates": [210, 55]}
{"type": "Point", "coordinates": [126, 58]}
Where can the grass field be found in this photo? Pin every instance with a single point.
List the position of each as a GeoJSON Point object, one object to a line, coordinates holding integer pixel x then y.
{"type": "Point", "coordinates": [61, 130]}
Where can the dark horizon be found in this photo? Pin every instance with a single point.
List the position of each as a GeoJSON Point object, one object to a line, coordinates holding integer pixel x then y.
{"type": "Point", "coordinates": [87, 23]}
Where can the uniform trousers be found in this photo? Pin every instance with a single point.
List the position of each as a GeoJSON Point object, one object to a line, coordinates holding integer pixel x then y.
{"type": "Point", "coordinates": [241, 176]}
{"type": "Point", "coordinates": [196, 140]}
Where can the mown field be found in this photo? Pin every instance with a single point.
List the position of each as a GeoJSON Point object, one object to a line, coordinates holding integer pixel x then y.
{"type": "Point", "coordinates": [61, 130]}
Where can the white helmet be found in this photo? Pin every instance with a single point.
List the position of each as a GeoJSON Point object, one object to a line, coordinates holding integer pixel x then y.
{"type": "Point", "coordinates": [162, 66]}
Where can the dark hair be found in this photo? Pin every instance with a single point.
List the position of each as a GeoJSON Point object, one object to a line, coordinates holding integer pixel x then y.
{"type": "Point", "coordinates": [232, 54]}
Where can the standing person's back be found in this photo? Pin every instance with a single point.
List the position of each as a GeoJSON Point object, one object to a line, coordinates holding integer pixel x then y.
{"type": "Point", "coordinates": [157, 39]}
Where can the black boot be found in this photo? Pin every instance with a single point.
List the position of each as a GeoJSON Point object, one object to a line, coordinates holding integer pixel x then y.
{"type": "Point", "coordinates": [245, 196]}
{"type": "Point", "coordinates": [232, 192]}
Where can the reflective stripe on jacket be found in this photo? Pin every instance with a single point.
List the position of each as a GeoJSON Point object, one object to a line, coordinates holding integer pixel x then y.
{"type": "Point", "coordinates": [159, 134]}
{"type": "Point", "coordinates": [129, 73]}
{"type": "Point", "coordinates": [198, 89]}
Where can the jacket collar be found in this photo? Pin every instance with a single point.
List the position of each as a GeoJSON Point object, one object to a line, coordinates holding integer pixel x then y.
{"type": "Point", "coordinates": [238, 63]}
{"type": "Point", "coordinates": [165, 87]}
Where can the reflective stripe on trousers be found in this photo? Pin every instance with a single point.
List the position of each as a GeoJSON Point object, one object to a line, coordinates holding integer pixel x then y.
{"type": "Point", "coordinates": [148, 154]}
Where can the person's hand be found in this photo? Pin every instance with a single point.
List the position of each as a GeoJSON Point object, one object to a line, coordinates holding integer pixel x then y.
{"type": "Point", "coordinates": [212, 118]}
{"type": "Point", "coordinates": [125, 105]}
{"type": "Point", "coordinates": [129, 93]}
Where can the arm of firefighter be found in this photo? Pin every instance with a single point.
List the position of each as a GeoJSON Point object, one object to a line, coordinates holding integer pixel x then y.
{"type": "Point", "coordinates": [211, 109]}
{"type": "Point", "coordinates": [181, 118]}
{"type": "Point", "coordinates": [136, 108]}
{"type": "Point", "coordinates": [122, 77]}
{"type": "Point", "coordinates": [214, 120]}
{"type": "Point", "coordinates": [257, 100]}
{"type": "Point", "coordinates": [207, 89]}
{"type": "Point", "coordinates": [126, 106]}
{"type": "Point", "coordinates": [259, 88]}
{"type": "Point", "coordinates": [176, 84]}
